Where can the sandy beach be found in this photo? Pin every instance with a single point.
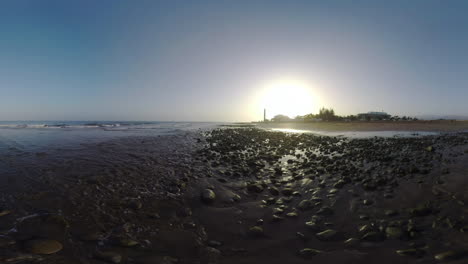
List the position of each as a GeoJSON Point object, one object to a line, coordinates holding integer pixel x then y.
{"type": "Point", "coordinates": [238, 195]}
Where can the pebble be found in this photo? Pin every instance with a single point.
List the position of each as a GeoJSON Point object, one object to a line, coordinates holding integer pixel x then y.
{"type": "Point", "coordinates": [451, 255]}
{"type": "Point", "coordinates": [327, 235]}
{"type": "Point", "coordinates": [309, 252]}
{"type": "Point", "coordinates": [393, 232]}
{"type": "Point", "coordinates": [208, 196]}
{"type": "Point", "coordinates": [373, 236]}
{"type": "Point", "coordinates": [43, 246]}
{"type": "Point", "coordinates": [304, 205]}
{"type": "Point", "coordinates": [4, 211]}
{"type": "Point", "coordinates": [109, 256]}
{"type": "Point", "coordinates": [256, 231]}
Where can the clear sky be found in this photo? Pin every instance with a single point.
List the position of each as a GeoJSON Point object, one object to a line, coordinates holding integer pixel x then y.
{"type": "Point", "coordinates": [211, 60]}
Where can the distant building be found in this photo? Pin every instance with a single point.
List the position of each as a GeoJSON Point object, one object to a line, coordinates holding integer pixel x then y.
{"type": "Point", "coordinates": [373, 116]}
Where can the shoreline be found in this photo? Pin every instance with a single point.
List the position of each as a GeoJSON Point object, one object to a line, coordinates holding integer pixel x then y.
{"type": "Point", "coordinates": [410, 126]}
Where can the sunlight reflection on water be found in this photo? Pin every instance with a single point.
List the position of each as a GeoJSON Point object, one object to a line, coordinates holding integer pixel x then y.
{"type": "Point", "coordinates": [360, 134]}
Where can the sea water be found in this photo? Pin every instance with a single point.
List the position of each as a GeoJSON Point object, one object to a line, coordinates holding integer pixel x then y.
{"type": "Point", "coordinates": [33, 135]}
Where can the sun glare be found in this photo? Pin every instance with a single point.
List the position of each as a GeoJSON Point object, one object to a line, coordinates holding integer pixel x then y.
{"type": "Point", "coordinates": [288, 97]}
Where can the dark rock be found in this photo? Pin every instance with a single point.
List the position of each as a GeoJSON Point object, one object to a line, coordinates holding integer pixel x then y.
{"type": "Point", "coordinates": [43, 246]}
{"type": "Point", "coordinates": [208, 196]}
{"type": "Point", "coordinates": [308, 252]}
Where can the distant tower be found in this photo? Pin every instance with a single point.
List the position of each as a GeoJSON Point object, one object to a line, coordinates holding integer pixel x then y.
{"type": "Point", "coordinates": [264, 115]}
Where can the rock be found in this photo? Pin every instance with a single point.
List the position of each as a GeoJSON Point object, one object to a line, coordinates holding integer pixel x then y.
{"type": "Point", "coordinates": [43, 225]}
{"type": "Point", "coordinates": [92, 236]}
{"type": "Point", "coordinates": [413, 252]}
{"type": "Point", "coordinates": [108, 256]}
{"type": "Point", "coordinates": [6, 241]}
{"type": "Point", "coordinates": [373, 236]}
{"type": "Point", "coordinates": [135, 204]}
{"type": "Point", "coordinates": [367, 202]}
{"type": "Point", "coordinates": [256, 231]}
{"type": "Point", "coordinates": [325, 211]}
{"type": "Point", "coordinates": [4, 211]}
{"type": "Point", "coordinates": [304, 205]}
{"type": "Point", "coordinates": [43, 246]}
{"type": "Point", "coordinates": [308, 252]}
{"type": "Point", "coordinates": [210, 255]}
{"type": "Point", "coordinates": [451, 255]}
{"type": "Point", "coordinates": [214, 243]}
{"type": "Point", "coordinates": [292, 214]}
{"type": "Point", "coordinates": [327, 235]}
{"type": "Point", "coordinates": [277, 218]}
{"type": "Point", "coordinates": [273, 190]}
{"type": "Point", "coordinates": [339, 184]}
{"type": "Point", "coordinates": [430, 149]}
{"type": "Point", "coordinates": [393, 232]}
{"type": "Point", "coordinates": [422, 210]}
{"type": "Point", "coordinates": [127, 242]}
{"type": "Point", "coordinates": [156, 259]}
{"type": "Point", "coordinates": [19, 257]}
{"type": "Point", "coordinates": [391, 213]}
{"type": "Point", "coordinates": [208, 196]}
{"type": "Point", "coordinates": [364, 217]}
{"type": "Point", "coordinates": [287, 191]}
{"type": "Point", "coordinates": [351, 242]}
{"type": "Point", "coordinates": [255, 187]}
{"type": "Point", "coordinates": [312, 225]}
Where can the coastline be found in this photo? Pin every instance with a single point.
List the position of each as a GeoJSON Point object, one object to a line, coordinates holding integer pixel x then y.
{"type": "Point", "coordinates": [416, 126]}
{"type": "Point", "coordinates": [240, 195]}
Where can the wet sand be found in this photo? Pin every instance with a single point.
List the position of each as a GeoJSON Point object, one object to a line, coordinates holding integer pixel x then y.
{"type": "Point", "coordinates": [238, 195]}
{"type": "Point", "coordinates": [430, 126]}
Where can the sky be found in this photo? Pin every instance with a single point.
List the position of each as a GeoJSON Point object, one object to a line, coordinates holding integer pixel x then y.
{"type": "Point", "coordinates": [217, 60]}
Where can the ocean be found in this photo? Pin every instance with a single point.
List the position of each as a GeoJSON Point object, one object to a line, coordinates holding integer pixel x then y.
{"type": "Point", "coordinates": [33, 135]}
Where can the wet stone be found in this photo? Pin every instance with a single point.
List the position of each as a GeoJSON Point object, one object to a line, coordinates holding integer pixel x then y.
{"type": "Point", "coordinates": [4, 211]}
{"type": "Point", "coordinates": [6, 241]}
{"type": "Point", "coordinates": [287, 191]}
{"type": "Point", "coordinates": [351, 242]}
{"type": "Point", "coordinates": [43, 246]}
{"type": "Point", "coordinates": [256, 231]}
{"type": "Point", "coordinates": [308, 252]}
{"type": "Point", "coordinates": [325, 211]}
{"type": "Point", "coordinates": [292, 214]}
{"type": "Point", "coordinates": [373, 236]}
{"type": "Point", "coordinates": [214, 243]}
{"type": "Point", "coordinates": [208, 196]}
{"type": "Point", "coordinates": [451, 255]}
{"type": "Point", "coordinates": [393, 232]}
{"type": "Point", "coordinates": [422, 210]}
{"type": "Point", "coordinates": [391, 213]}
{"type": "Point", "coordinates": [413, 252]}
{"type": "Point", "coordinates": [304, 205]}
{"type": "Point", "coordinates": [327, 235]}
{"type": "Point", "coordinates": [109, 256]}
{"type": "Point", "coordinates": [273, 190]}
{"type": "Point", "coordinates": [255, 187]}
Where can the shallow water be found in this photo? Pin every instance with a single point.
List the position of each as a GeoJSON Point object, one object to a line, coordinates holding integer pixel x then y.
{"type": "Point", "coordinates": [360, 134]}
{"type": "Point", "coordinates": [32, 136]}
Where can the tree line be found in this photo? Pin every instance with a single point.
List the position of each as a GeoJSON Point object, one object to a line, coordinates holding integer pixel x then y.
{"type": "Point", "coordinates": [328, 114]}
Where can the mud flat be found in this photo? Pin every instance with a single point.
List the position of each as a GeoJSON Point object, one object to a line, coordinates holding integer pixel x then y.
{"type": "Point", "coordinates": [239, 195]}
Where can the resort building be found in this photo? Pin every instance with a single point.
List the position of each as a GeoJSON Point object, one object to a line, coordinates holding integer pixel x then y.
{"type": "Point", "coordinates": [373, 116]}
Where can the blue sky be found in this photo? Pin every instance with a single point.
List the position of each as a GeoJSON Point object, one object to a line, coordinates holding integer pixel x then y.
{"type": "Point", "coordinates": [208, 60]}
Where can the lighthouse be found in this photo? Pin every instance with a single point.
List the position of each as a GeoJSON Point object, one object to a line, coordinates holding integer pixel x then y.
{"type": "Point", "coordinates": [264, 115]}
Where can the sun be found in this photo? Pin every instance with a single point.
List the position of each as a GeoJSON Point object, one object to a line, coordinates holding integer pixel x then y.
{"type": "Point", "coordinates": [288, 97]}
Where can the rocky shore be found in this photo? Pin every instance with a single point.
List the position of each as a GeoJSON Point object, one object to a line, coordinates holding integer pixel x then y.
{"type": "Point", "coordinates": [239, 195]}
